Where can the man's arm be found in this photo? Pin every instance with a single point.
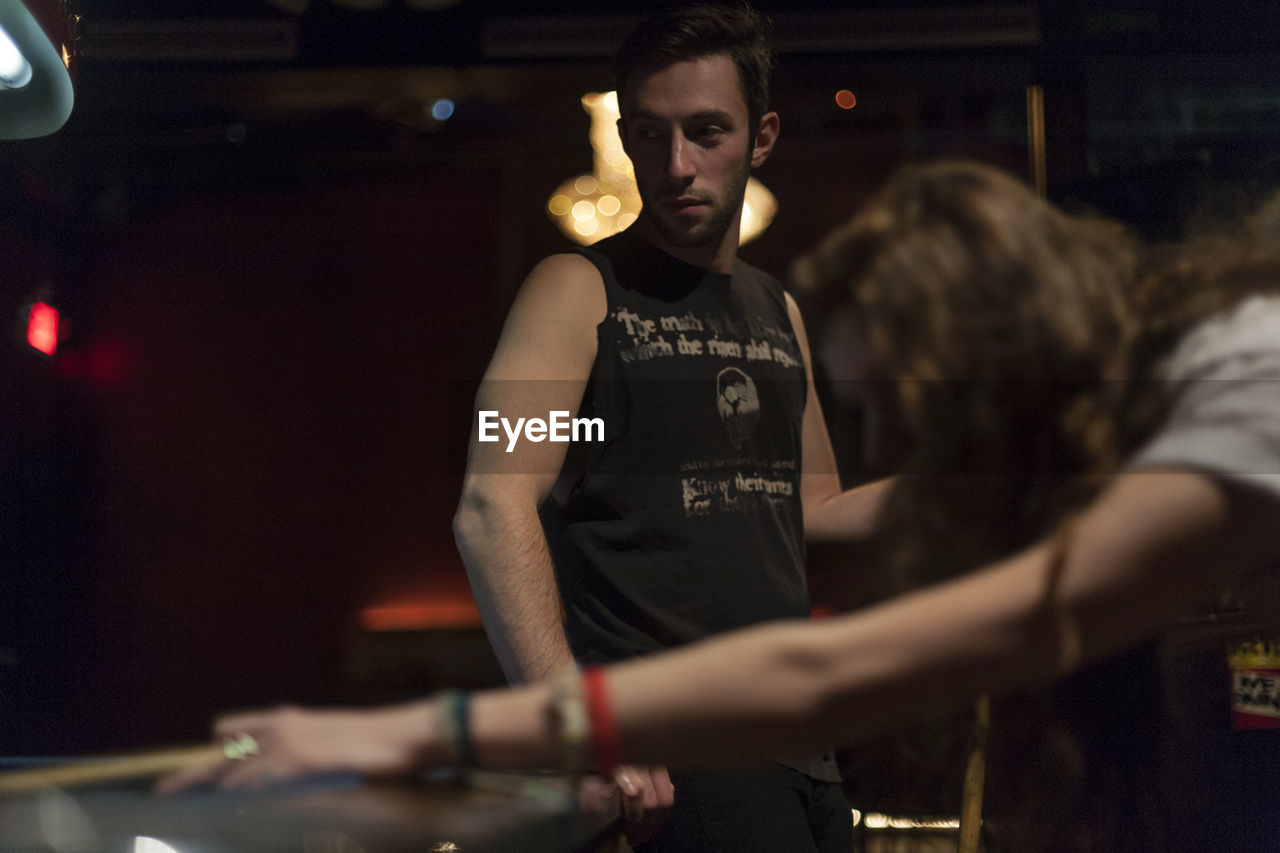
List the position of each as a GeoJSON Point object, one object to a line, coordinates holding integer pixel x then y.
{"type": "Point", "coordinates": [830, 513]}
{"type": "Point", "coordinates": [541, 365]}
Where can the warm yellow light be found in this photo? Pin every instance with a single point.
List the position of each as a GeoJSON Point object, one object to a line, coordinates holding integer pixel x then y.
{"type": "Point", "coordinates": [876, 820]}
{"type": "Point", "coordinates": [758, 209]}
{"type": "Point", "coordinates": [589, 207]}
{"type": "Point", "coordinates": [446, 847]}
{"type": "Point", "coordinates": [609, 205]}
{"type": "Point", "coordinates": [559, 204]}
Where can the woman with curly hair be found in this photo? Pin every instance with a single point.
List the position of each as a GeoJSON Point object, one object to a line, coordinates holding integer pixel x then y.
{"type": "Point", "coordinates": [1040, 398]}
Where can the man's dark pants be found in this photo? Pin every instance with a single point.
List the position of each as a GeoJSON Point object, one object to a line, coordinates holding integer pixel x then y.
{"type": "Point", "coordinates": [768, 809]}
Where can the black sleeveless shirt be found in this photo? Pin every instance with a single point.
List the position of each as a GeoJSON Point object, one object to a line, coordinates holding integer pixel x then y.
{"type": "Point", "coordinates": [685, 521]}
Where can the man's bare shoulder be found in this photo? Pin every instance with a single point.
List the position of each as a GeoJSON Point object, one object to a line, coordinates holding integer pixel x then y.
{"type": "Point", "coordinates": [550, 330]}
{"type": "Point", "coordinates": [567, 284]}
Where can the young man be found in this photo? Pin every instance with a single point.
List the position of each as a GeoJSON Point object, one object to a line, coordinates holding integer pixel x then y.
{"type": "Point", "coordinates": [689, 518]}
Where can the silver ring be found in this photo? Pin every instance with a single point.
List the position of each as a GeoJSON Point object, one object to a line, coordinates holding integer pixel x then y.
{"type": "Point", "coordinates": [240, 747]}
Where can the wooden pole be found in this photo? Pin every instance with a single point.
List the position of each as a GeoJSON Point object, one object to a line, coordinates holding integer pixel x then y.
{"type": "Point", "coordinates": [975, 773]}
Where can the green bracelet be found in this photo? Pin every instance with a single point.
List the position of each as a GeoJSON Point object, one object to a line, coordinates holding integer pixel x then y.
{"type": "Point", "coordinates": [457, 718]}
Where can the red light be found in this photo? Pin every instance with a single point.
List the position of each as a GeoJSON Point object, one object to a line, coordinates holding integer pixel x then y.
{"type": "Point", "coordinates": [846, 99]}
{"type": "Point", "coordinates": [42, 328]}
{"type": "Point", "coordinates": [409, 616]}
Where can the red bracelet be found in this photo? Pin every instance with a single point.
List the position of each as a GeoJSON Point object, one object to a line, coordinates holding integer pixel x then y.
{"type": "Point", "coordinates": [605, 749]}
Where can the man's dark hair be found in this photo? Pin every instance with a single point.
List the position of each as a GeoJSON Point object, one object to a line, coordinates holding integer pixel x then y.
{"type": "Point", "coordinates": [682, 33]}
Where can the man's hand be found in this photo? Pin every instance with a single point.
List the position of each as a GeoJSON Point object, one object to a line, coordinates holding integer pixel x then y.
{"type": "Point", "coordinates": [647, 795]}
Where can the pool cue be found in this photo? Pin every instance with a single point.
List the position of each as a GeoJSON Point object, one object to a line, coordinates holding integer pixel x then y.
{"type": "Point", "coordinates": [111, 769]}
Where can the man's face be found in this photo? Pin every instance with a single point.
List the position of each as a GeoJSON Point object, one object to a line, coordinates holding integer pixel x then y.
{"type": "Point", "coordinates": [685, 128]}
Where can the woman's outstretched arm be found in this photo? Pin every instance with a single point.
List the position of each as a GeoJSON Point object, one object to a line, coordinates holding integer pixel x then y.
{"type": "Point", "coordinates": [1152, 546]}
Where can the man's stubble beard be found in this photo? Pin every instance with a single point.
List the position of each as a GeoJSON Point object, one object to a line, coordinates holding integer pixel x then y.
{"type": "Point", "coordinates": [714, 228]}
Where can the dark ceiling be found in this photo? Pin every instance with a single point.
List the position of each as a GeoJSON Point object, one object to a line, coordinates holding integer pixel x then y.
{"type": "Point", "coordinates": [174, 95]}
{"type": "Point", "coordinates": [328, 33]}
{"type": "Point", "coordinates": [320, 33]}
{"type": "Point", "coordinates": [166, 91]}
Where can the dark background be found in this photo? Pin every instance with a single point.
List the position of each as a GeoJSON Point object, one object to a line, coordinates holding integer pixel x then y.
{"type": "Point", "coordinates": [281, 279]}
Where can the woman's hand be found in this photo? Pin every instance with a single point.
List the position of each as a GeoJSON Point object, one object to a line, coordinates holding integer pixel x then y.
{"type": "Point", "coordinates": [269, 747]}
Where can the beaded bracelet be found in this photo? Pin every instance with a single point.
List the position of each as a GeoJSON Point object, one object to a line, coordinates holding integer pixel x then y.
{"type": "Point", "coordinates": [568, 717]}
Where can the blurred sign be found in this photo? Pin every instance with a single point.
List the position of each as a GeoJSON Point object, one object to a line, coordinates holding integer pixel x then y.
{"type": "Point", "coordinates": [1255, 684]}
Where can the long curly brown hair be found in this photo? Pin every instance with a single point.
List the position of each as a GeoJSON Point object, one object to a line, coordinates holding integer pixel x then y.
{"type": "Point", "coordinates": [998, 329]}
{"type": "Point", "coordinates": [1016, 349]}
{"type": "Point", "coordinates": [1010, 344]}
